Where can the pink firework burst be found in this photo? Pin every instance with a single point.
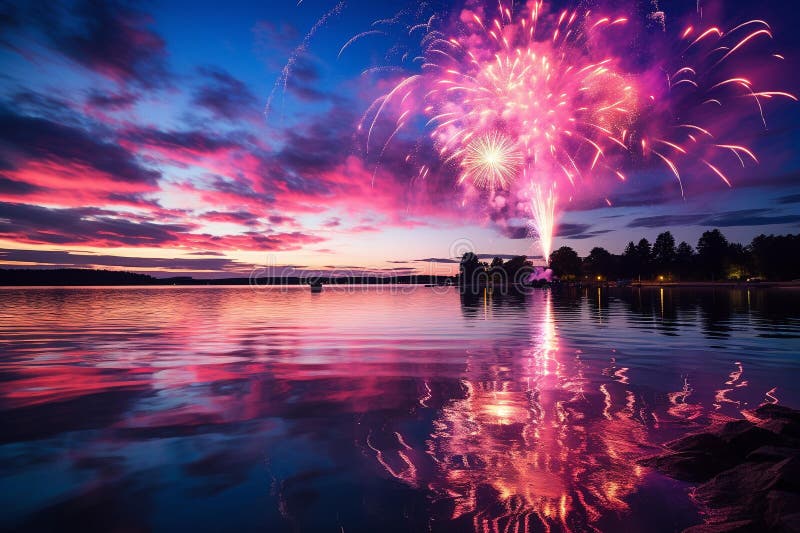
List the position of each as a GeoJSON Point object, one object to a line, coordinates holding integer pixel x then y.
{"type": "Point", "coordinates": [528, 103]}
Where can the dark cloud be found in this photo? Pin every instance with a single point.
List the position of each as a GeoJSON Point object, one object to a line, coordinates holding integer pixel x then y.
{"type": "Point", "coordinates": [325, 143]}
{"type": "Point", "coordinates": [789, 199]}
{"type": "Point", "coordinates": [458, 260]}
{"type": "Point", "coordinates": [225, 96]}
{"type": "Point", "coordinates": [304, 81]}
{"type": "Point", "coordinates": [69, 259]}
{"type": "Point", "coordinates": [13, 187]}
{"type": "Point", "coordinates": [501, 256]}
{"type": "Point", "coordinates": [239, 191]}
{"type": "Point", "coordinates": [514, 232]}
{"type": "Point", "coordinates": [133, 199]}
{"type": "Point", "coordinates": [750, 217]}
{"type": "Point", "coordinates": [48, 106]}
{"type": "Point", "coordinates": [434, 260]}
{"type": "Point", "coordinates": [570, 230]}
{"type": "Point", "coordinates": [98, 227]}
{"type": "Point", "coordinates": [107, 37]}
{"type": "Point", "coordinates": [744, 217]}
{"type": "Point", "coordinates": [662, 221]}
{"type": "Point", "coordinates": [111, 101]}
{"type": "Point", "coordinates": [26, 137]}
{"type": "Point", "coordinates": [588, 235]}
{"type": "Point", "coordinates": [237, 217]}
{"type": "Point", "coordinates": [192, 140]}
{"type": "Point", "coordinates": [29, 223]}
{"type": "Point", "coordinates": [281, 219]}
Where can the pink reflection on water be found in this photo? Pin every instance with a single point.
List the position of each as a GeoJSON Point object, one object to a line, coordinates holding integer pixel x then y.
{"type": "Point", "coordinates": [525, 449]}
{"type": "Point", "coordinates": [493, 412]}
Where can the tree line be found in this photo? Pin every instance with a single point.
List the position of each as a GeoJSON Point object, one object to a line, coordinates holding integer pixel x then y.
{"type": "Point", "coordinates": [768, 257]}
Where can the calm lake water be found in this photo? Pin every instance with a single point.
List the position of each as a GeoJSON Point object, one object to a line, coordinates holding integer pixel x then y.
{"type": "Point", "coordinates": [371, 409]}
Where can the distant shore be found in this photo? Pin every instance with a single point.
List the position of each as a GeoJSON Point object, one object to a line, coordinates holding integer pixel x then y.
{"type": "Point", "coordinates": [112, 278]}
{"type": "Point", "coordinates": [713, 284]}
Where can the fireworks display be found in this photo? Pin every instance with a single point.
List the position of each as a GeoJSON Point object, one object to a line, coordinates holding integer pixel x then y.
{"type": "Point", "coordinates": [491, 161]}
{"type": "Point", "coordinates": [533, 106]}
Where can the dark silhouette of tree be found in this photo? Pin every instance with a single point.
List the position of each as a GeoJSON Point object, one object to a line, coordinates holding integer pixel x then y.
{"type": "Point", "coordinates": [636, 259]}
{"type": "Point", "coordinates": [630, 263]}
{"type": "Point", "coordinates": [663, 254]}
{"type": "Point", "coordinates": [712, 253]}
{"type": "Point", "coordinates": [469, 269]}
{"type": "Point", "coordinates": [776, 257]}
{"type": "Point", "coordinates": [738, 262]}
{"type": "Point", "coordinates": [600, 262]}
{"type": "Point", "coordinates": [517, 269]}
{"type": "Point", "coordinates": [643, 252]}
{"type": "Point", "coordinates": [73, 276]}
{"type": "Point", "coordinates": [496, 272]}
{"type": "Point", "coordinates": [684, 260]}
{"type": "Point", "coordinates": [565, 263]}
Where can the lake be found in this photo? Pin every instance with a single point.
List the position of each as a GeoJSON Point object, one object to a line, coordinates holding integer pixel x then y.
{"type": "Point", "coordinates": [372, 408]}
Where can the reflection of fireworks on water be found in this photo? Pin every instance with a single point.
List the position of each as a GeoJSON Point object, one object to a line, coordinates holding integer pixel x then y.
{"type": "Point", "coordinates": [540, 440]}
{"type": "Point", "coordinates": [524, 449]}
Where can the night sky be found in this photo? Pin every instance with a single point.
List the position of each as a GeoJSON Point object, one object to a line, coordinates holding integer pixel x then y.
{"type": "Point", "coordinates": [134, 136]}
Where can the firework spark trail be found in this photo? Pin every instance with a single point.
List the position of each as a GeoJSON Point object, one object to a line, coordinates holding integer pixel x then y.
{"type": "Point", "coordinates": [543, 207]}
{"type": "Point", "coordinates": [286, 72]}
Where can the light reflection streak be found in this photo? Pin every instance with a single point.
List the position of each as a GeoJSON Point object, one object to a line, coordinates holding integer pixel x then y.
{"type": "Point", "coordinates": [522, 451]}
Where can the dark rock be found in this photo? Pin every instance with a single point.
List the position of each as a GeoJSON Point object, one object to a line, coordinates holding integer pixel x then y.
{"type": "Point", "coordinates": [741, 526]}
{"type": "Point", "coordinates": [750, 471]}
{"type": "Point", "coordinates": [787, 474]}
{"type": "Point", "coordinates": [688, 465]}
{"type": "Point", "coordinates": [781, 506]}
{"type": "Point", "coordinates": [746, 440]}
{"type": "Point", "coordinates": [788, 431]}
{"type": "Point", "coordinates": [696, 441]}
{"type": "Point", "coordinates": [777, 412]}
{"type": "Point", "coordinates": [729, 430]}
{"type": "Point", "coordinates": [700, 456]}
{"type": "Point", "coordinates": [773, 454]}
{"type": "Point", "coordinates": [733, 487]}
{"type": "Point", "coordinates": [779, 419]}
{"type": "Point", "coordinates": [788, 523]}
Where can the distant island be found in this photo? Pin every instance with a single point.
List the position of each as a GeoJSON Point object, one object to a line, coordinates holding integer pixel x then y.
{"type": "Point", "coordinates": [90, 277]}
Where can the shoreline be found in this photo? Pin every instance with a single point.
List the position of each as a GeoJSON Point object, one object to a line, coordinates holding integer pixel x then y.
{"type": "Point", "coordinates": [423, 284]}
{"type": "Point", "coordinates": [726, 284]}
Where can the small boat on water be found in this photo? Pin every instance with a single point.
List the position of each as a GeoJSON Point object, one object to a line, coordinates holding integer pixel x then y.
{"type": "Point", "coordinates": [316, 286]}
